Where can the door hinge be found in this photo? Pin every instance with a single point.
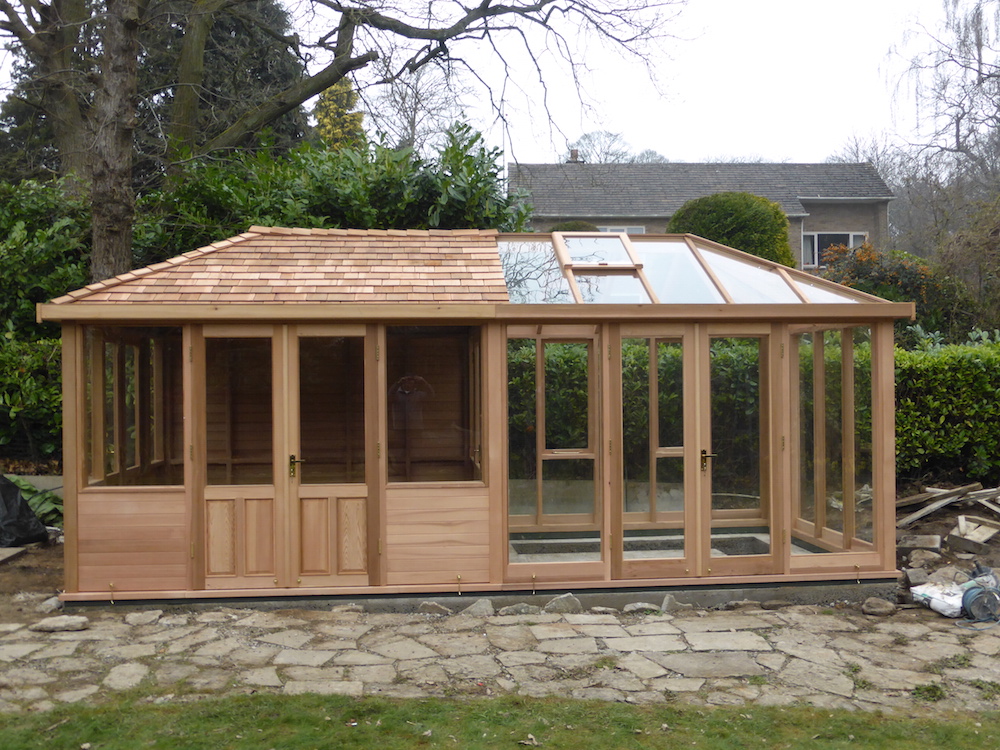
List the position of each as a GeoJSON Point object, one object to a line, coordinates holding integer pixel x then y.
{"type": "Point", "coordinates": [782, 349]}
{"type": "Point", "coordinates": [192, 550]}
{"type": "Point", "coordinates": [378, 350]}
{"type": "Point", "coordinates": [378, 450]}
{"type": "Point", "coordinates": [610, 448]}
{"type": "Point", "coordinates": [190, 354]}
{"type": "Point", "coordinates": [782, 442]}
{"type": "Point", "coordinates": [380, 546]}
{"type": "Point", "coordinates": [191, 451]}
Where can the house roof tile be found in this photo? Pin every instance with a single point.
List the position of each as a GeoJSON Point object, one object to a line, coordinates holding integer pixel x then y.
{"type": "Point", "coordinates": [276, 265]}
{"type": "Point", "coordinates": [578, 190]}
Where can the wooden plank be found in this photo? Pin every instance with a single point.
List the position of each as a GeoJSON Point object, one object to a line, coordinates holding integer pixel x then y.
{"type": "Point", "coordinates": [943, 500]}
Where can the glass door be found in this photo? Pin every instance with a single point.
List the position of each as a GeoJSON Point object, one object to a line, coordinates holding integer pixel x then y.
{"type": "Point", "coordinates": [734, 456]}
{"type": "Point", "coordinates": [654, 501]}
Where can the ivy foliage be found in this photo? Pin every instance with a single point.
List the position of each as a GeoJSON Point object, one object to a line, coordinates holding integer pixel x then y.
{"type": "Point", "coordinates": [943, 303]}
{"type": "Point", "coordinates": [743, 221]}
{"type": "Point", "coordinates": [366, 187]}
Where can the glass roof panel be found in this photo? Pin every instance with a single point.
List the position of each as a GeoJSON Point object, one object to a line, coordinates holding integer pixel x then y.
{"type": "Point", "coordinates": [748, 283]}
{"type": "Point", "coordinates": [532, 273]}
{"type": "Point", "coordinates": [597, 249]}
{"type": "Point", "coordinates": [612, 289]}
{"type": "Point", "coordinates": [820, 293]}
{"type": "Point", "coordinates": [675, 274]}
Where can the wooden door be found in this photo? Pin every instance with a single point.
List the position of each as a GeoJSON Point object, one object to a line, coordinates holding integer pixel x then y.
{"type": "Point", "coordinates": [655, 497]}
{"type": "Point", "coordinates": [286, 500]}
{"type": "Point", "coordinates": [735, 453]}
{"type": "Point", "coordinates": [327, 462]}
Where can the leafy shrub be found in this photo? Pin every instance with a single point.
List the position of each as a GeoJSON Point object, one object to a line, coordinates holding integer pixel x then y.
{"type": "Point", "coordinates": [44, 245]}
{"type": "Point", "coordinates": [574, 226]}
{"type": "Point", "coordinates": [943, 303]}
{"type": "Point", "coordinates": [744, 221]}
{"type": "Point", "coordinates": [369, 187]}
{"type": "Point", "coordinates": [948, 413]}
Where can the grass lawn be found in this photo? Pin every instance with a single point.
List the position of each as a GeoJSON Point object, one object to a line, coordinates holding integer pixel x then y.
{"type": "Point", "coordinates": [321, 722]}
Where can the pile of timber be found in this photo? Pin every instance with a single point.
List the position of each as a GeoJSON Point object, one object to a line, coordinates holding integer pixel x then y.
{"type": "Point", "coordinates": [973, 533]}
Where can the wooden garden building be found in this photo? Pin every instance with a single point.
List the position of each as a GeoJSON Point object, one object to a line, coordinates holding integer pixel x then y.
{"type": "Point", "coordinates": [294, 412]}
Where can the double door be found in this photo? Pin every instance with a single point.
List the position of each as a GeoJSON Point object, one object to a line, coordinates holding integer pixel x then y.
{"type": "Point", "coordinates": [693, 494]}
{"type": "Point", "coordinates": [287, 500]}
{"type": "Point", "coordinates": [640, 452]}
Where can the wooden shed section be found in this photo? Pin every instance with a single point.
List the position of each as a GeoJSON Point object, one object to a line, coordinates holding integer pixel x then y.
{"type": "Point", "coordinates": [296, 412]}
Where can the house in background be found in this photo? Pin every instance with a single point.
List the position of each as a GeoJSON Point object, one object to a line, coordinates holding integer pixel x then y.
{"type": "Point", "coordinates": [826, 204]}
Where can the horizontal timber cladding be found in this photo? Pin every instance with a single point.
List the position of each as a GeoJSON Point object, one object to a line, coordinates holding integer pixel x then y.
{"type": "Point", "coordinates": [437, 535]}
{"type": "Point", "coordinates": [133, 541]}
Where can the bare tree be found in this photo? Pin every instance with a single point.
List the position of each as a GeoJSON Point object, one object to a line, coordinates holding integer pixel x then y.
{"type": "Point", "coordinates": [83, 47]}
{"type": "Point", "coordinates": [415, 111]}
{"type": "Point", "coordinates": [605, 147]}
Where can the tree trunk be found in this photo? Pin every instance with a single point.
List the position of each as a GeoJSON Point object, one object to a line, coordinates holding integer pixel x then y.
{"type": "Point", "coordinates": [113, 123]}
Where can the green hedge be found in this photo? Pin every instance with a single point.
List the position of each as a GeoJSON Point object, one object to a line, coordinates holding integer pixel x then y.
{"type": "Point", "coordinates": [948, 413]}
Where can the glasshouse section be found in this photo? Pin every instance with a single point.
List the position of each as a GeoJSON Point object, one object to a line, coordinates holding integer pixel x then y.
{"type": "Point", "coordinates": [347, 412]}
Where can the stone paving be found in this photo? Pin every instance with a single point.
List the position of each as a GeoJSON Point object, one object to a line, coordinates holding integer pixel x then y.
{"type": "Point", "coordinates": [827, 657]}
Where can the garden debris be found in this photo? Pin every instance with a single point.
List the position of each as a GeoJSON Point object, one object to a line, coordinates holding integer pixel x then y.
{"type": "Point", "coordinates": [972, 534]}
{"type": "Point", "coordinates": [931, 542]}
{"type": "Point", "coordinates": [942, 498]}
{"type": "Point", "coordinates": [18, 523]}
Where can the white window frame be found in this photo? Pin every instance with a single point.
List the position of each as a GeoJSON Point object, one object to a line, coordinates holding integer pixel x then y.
{"type": "Point", "coordinates": [809, 257]}
{"type": "Point", "coordinates": [623, 229]}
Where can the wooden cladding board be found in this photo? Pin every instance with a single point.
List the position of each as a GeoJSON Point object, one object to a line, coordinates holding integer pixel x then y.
{"type": "Point", "coordinates": [435, 535]}
{"type": "Point", "coordinates": [240, 537]}
{"type": "Point", "coordinates": [133, 540]}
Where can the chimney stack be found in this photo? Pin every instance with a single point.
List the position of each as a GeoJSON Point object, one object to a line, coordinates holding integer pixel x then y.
{"type": "Point", "coordinates": [574, 157]}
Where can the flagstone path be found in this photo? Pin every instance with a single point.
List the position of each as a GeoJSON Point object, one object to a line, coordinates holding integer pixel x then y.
{"type": "Point", "coordinates": [750, 656]}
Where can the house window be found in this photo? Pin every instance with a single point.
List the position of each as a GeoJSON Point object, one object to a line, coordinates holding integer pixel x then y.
{"type": "Point", "coordinates": [623, 230]}
{"type": "Point", "coordinates": [814, 243]}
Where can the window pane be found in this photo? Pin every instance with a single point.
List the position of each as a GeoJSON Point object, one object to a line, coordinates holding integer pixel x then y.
{"type": "Point", "coordinates": [133, 402]}
{"type": "Point", "coordinates": [807, 442]}
{"type": "Point", "coordinates": [675, 274]}
{"type": "Point", "coordinates": [521, 436]}
{"type": "Point", "coordinates": [635, 424]}
{"type": "Point", "coordinates": [670, 386]}
{"type": "Point", "coordinates": [532, 274]}
{"type": "Point", "coordinates": [826, 240]}
{"type": "Point", "coordinates": [662, 535]}
{"type": "Point", "coordinates": [808, 250]}
{"type": "Point", "coordinates": [747, 283]}
{"type": "Point", "coordinates": [597, 250]}
{"type": "Point", "coordinates": [433, 432]}
{"type": "Point", "coordinates": [568, 488]}
{"type": "Point", "coordinates": [567, 395]}
{"type": "Point", "coordinates": [736, 404]}
{"type": "Point", "coordinates": [863, 521]}
{"type": "Point", "coordinates": [834, 498]}
{"type": "Point", "coordinates": [238, 411]}
{"type": "Point", "coordinates": [615, 289]}
{"type": "Point", "coordinates": [332, 409]}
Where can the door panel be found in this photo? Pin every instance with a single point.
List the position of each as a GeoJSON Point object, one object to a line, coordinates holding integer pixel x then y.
{"type": "Point", "coordinates": [734, 464]}
{"type": "Point", "coordinates": [655, 495]}
{"type": "Point", "coordinates": [327, 441]}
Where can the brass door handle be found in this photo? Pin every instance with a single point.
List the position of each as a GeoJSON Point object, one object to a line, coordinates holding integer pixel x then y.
{"type": "Point", "coordinates": [292, 461]}
{"type": "Point", "coordinates": [705, 455]}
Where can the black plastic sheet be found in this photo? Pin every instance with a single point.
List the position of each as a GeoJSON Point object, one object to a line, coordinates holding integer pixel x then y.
{"type": "Point", "coordinates": [18, 523]}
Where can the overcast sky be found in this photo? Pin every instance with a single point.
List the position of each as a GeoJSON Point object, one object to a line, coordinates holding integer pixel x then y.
{"type": "Point", "coordinates": [783, 80]}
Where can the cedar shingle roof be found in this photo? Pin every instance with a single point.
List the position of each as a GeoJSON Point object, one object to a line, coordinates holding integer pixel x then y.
{"type": "Point", "coordinates": [578, 190]}
{"type": "Point", "coordinates": [270, 265]}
